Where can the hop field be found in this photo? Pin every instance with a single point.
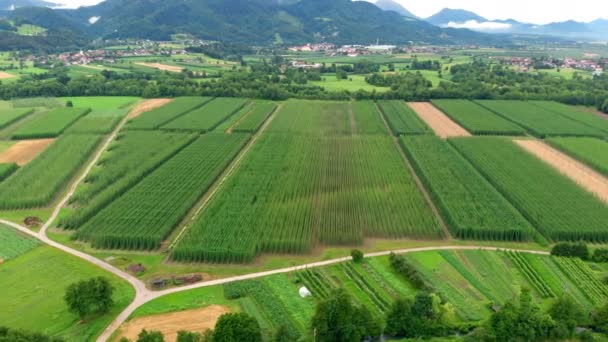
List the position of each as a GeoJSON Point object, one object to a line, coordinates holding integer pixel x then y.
{"type": "Point", "coordinates": [255, 117]}
{"type": "Point", "coordinates": [312, 118]}
{"type": "Point", "coordinates": [156, 118]}
{"type": "Point", "coordinates": [50, 124]}
{"type": "Point", "coordinates": [207, 117]}
{"type": "Point", "coordinates": [147, 213]}
{"type": "Point", "coordinates": [10, 116]}
{"type": "Point", "coordinates": [6, 170]}
{"type": "Point", "coordinates": [593, 152]}
{"type": "Point", "coordinates": [554, 205]}
{"type": "Point", "coordinates": [401, 119]}
{"type": "Point", "coordinates": [98, 121]}
{"type": "Point", "coordinates": [575, 114]}
{"type": "Point", "coordinates": [477, 119]}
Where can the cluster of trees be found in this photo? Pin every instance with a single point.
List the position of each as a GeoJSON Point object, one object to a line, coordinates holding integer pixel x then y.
{"type": "Point", "coordinates": [579, 250]}
{"type": "Point", "coordinates": [90, 297]}
{"type": "Point", "coordinates": [425, 65]}
{"type": "Point", "coordinates": [12, 335]}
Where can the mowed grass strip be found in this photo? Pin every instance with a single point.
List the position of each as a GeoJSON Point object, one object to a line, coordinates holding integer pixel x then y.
{"type": "Point", "coordinates": [207, 117]}
{"type": "Point", "coordinates": [402, 119]}
{"type": "Point", "coordinates": [133, 156]}
{"type": "Point", "coordinates": [157, 117]}
{"type": "Point", "coordinates": [146, 214]}
{"type": "Point", "coordinates": [50, 124]}
{"type": "Point", "coordinates": [37, 183]}
{"type": "Point", "coordinates": [471, 206]}
{"type": "Point", "coordinates": [13, 244]}
{"type": "Point", "coordinates": [255, 118]}
{"type": "Point", "coordinates": [593, 152]}
{"type": "Point", "coordinates": [554, 204]}
{"type": "Point", "coordinates": [98, 121]}
{"type": "Point", "coordinates": [10, 116]}
{"type": "Point", "coordinates": [477, 119]}
{"type": "Point", "coordinates": [539, 121]}
{"type": "Point", "coordinates": [292, 192]}
{"type": "Point", "coordinates": [33, 286]}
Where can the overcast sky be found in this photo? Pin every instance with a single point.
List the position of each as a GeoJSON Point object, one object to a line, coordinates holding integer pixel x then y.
{"type": "Point", "coordinates": [533, 11]}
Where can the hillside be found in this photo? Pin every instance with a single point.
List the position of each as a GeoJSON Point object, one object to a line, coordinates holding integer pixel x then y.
{"type": "Point", "coordinates": [448, 15]}
{"type": "Point", "coordinates": [390, 5]}
{"type": "Point", "coordinates": [10, 4]}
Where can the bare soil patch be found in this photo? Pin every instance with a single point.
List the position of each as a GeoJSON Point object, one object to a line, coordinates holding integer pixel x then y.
{"type": "Point", "coordinates": [580, 173]}
{"type": "Point", "coordinates": [5, 75]}
{"type": "Point", "coordinates": [169, 324]}
{"type": "Point", "coordinates": [146, 106]}
{"type": "Point", "coordinates": [24, 151]}
{"type": "Point", "coordinates": [160, 66]}
{"type": "Point", "coordinates": [443, 126]}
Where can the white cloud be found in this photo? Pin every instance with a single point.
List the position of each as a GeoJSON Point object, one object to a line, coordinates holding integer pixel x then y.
{"type": "Point", "coordinates": [477, 26]}
{"type": "Point", "coordinates": [93, 20]}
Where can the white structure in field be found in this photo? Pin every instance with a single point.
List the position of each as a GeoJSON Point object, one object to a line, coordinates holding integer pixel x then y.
{"type": "Point", "coordinates": [304, 292]}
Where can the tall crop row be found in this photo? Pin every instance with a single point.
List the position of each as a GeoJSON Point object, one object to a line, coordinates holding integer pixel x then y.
{"type": "Point", "coordinates": [593, 152]}
{"type": "Point", "coordinates": [477, 119]}
{"type": "Point", "coordinates": [147, 213]}
{"type": "Point", "coordinates": [539, 121]}
{"type": "Point", "coordinates": [157, 117]}
{"type": "Point", "coordinates": [8, 117]}
{"type": "Point", "coordinates": [256, 117]}
{"type": "Point", "coordinates": [132, 157]}
{"type": "Point", "coordinates": [401, 119]}
{"type": "Point", "coordinates": [50, 124]}
{"type": "Point", "coordinates": [472, 208]}
{"type": "Point", "coordinates": [207, 117]}
{"type": "Point", "coordinates": [293, 191]}
{"type": "Point", "coordinates": [581, 275]}
{"type": "Point", "coordinates": [35, 184]}
{"type": "Point", "coordinates": [554, 204]}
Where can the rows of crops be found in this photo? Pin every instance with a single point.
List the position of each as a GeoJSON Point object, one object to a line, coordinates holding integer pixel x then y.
{"type": "Point", "coordinates": [401, 119]}
{"type": "Point", "coordinates": [6, 170]}
{"type": "Point", "coordinates": [472, 208]}
{"type": "Point", "coordinates": [98, 121]}
{"type": "Point", "coordinates": [575, 114]}
{"type": "Point", "coordinates": [581, 275]}
{"type": "Point", "coordinates": [368, 118]}
{"type": "Point", "coordinates": [13, 244]}
{"type": "Point", "coordinates": [35, 184]}
{"type": "Point", "coordinates": [10, 116]}
{"type": "Point", "coordinates": [477, 119]}
{"type": "Point", "coordinates": [147, 213]}
{"type": "Point", "coordinates": [157, 117]}
{"type": "Point", "coordinates": [593, 152]}
{"type": "Point", "coordinates": [292, 191]}
{"type": "Point", "coordinates": [313, 118]}
{"type": "Point", "coordinates": [133, 156]}
{"type": "Point", "coordinates": [50, 124]}
{"type": "Point", "coordinates": [207, 117]}
{"type": "Point", "coordinates": [537, 282]}
{"type": "Point", "coordinates": [555, 205]}
{"type": "Point", "coordinates": [255, 117]}
{"type": "Point", "coordinates": [539, 121]}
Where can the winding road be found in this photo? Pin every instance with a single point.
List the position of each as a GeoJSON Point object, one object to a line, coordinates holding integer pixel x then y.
{"type": "Point", "coordinates": [142, 293]}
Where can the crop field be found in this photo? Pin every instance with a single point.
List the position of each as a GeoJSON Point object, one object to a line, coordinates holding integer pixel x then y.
{"type": "Point", "coordinates": [147, 213]}
{"type": "Point", "coordinates": [368, 118]}
{"type": "Point", "coordinates": [6, 170]}
{"type": "Point", "coordinates": [98, 121]}
{"type": "Point", "coordinates": [402, 119]}
{"type": "Point", "coordinates": [593, 152]}
{"type": "Point", "coordinates": [539, 121]}
{"type": "Point", "coordinates": [477, 119]}
{"type": "Point", "coordinates": [255, 117]}
{"type": "Point", "coordinates": [554, 204]}
{"type": "Point", "coordinates": [37, 183]}
{"type": "Point", "coordinates": [10, 116]}
{"type": "Point", "coordinates": [51, 124]}
{"type": "Point", "coordinates": [575, 114]}
{"type": "Point", "coordinates": [470, 205]}
{"type": "Point", "coordinates": [132, 157]}
{"type": "Point", "coordinates": [33, 285]}
{"type": "Point", "coordinates": [13, 244]}
{"type": "Point", "coordinates": [101, 102]}
{"type": "Point", "coordinates": [355, 186]}
{"type": "Point", "coordinates": [156, 118]}
{"type": "Point", "coordinates": [207, 117]}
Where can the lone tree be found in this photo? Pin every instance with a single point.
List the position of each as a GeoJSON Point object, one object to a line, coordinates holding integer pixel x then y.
{"type": "Point", "coordinates": [87, 297]}
{"type": "Point", "coordinates": [357, 256]}
{"type": "Point", "coordinates": [69, 104]}
{"type": "Point", "coordinates": [240, 327]}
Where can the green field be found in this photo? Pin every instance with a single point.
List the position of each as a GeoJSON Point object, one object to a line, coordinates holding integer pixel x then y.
{"type": "Point", "coordinates": [101, 102]}
{"type": "Point", "coordinates": [100, 121]}
{"type": "Point", "coordinates": [593, 152]}
{"type": "Point", "coordinates": [7, 169]}
{"type": "Point", "coordinates": [575, 114]}
{"type": "Point", "coordinates": [352, 84]}
{"type": "Point", "coordinates": [207, 117]}
{"type": "Point", "coordinates": [402, 119]}
{"type": "Point", "coordinates": [10, 116]}
{"type": "Point", "coordinates": [50, 124]}
{"type": "Point", "coordinates": [33, 286]}
{"type": "Point", "coordinates": [13, 244]}
{"type": "Point", "coordinates": [477, 119]}
{"type": "Point", "coordinates": [156, 118]}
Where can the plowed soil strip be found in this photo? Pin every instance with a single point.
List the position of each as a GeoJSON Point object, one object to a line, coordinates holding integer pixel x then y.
{"type": "Point", "coordinates": [5, 75]}
{"type": "Point", "coordinates": [580, 173]}
{"type": "Point", "coordinates": [443, 126]}
{"type": "Point", "coordinates": [24, 151]}
{"type": "Point", "coordinates": [163, 67]}
{"type": "Point", "coordinates": [169, 324]}
{"type": "Point", "coordinates": [147, 106]}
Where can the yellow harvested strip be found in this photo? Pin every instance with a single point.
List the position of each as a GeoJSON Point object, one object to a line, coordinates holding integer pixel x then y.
{"type": "Point", "coordinates": [163, 67]}
{"type": "Point", "coordinates": [24, 151]}
{"type": "Point", "coordinates": [443, 126]}
{"type": "Point", "coordinates": [578, 172]}
{"type": "Point", "coordinates": [5, 75]}
{"type": "Point", "coordinates": [146, 106]}
{"type": "Point", "coordinates": [169, 324]}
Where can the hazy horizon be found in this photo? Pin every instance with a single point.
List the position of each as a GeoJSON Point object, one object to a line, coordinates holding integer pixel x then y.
{"type": "Point", "coordinates": [537, 12]}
